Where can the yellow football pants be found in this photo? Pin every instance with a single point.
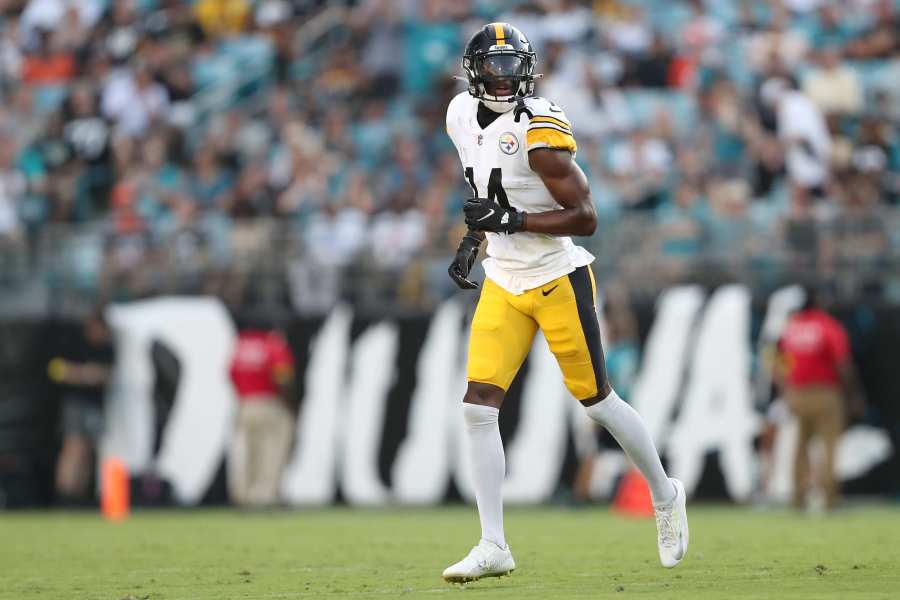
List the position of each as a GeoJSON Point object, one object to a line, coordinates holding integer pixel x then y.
{"type": "Point", "coordinates": [504, 325]}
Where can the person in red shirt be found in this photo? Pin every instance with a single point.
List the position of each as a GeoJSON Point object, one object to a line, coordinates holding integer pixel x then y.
{"type": "Point", "coordinates": [817, 376]}
{"type": "Point", "coordinates": [262, 369]}
{"type": "Point", "coordinates": [48, 65]}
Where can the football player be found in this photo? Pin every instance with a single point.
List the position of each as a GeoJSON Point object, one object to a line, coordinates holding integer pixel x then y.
{"type": "Point", "coordinates": [529, 195]}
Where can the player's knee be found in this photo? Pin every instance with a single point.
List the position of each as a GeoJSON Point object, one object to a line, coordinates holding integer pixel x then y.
{"type": "Point", "coordinates": [603, 392]}
{"type": "Point", "coordinates": [484, 394]}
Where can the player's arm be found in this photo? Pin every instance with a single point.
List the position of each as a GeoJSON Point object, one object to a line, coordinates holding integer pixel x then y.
{"type": "Point", "coordinates": [467, 251]}
{"type": "Point", "coordinates": [551, 155]}
{"type": "Point", "coordinates": [465, 257]}
{"type": "Point", "coordinates": [568, 185]}
{"type": "Point", "coordinates": [282, 370]}
{"type": "Point", "coordinates": [854, 396]}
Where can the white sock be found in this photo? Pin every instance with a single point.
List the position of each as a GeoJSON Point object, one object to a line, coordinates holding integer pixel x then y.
{"type": "Point", "coordinates": [627, 426]}
{"type": "Point", "coordinates": [488, 468]}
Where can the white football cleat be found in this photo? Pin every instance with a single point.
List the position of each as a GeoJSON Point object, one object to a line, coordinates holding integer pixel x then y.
{"type": "Point", "coordinates": [487, 559]}
{"type": "Point", "coordinates": [672, 528]}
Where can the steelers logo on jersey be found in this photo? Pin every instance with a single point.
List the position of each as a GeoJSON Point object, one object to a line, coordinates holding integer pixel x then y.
{"type": "Point", "coordinates": [509, 143]}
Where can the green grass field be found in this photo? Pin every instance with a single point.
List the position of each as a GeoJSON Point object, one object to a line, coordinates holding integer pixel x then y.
{"type": "Point", "coordinates": [344, 553]}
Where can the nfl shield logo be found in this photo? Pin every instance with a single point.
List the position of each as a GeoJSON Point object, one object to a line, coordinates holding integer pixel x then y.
{"type": "Point", "coordinates": [509, 143]}
{"type": "Point", "coordinates": [480, 139]}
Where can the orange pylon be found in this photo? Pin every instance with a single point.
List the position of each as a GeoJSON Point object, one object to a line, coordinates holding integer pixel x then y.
{"type": "Point", "coordinates": [115, 497]}
{"type": "Point", "coordinates": [633, 496]}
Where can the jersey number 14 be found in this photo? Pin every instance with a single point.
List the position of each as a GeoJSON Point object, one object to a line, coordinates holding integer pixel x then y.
{"type": "Point", "coordinates": [495, 189]}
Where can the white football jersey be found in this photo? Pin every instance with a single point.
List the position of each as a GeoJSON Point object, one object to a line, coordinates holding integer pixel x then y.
{"type": "Point", "coordinates": [495, 165]}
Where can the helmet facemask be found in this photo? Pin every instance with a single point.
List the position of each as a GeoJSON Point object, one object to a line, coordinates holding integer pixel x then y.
{"type": "Point", "coordinates": [500, 78]}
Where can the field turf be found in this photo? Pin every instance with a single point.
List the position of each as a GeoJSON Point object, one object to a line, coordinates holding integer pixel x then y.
{"type": "Point", "coordinates": [345, 553]}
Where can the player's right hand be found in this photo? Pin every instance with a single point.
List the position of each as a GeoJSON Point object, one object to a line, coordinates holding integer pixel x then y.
{"type": "Point", "coordinates": [462, 264]}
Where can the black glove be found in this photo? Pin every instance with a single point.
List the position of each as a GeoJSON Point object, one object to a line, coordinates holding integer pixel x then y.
{"type": "Point", "coordinates": [483, 214]}
{"type": "Point", "coordinates": [462, 264]}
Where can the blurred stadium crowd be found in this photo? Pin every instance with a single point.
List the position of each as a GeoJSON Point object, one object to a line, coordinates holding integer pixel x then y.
{"type": "Point", "coordinates": [221, 146]}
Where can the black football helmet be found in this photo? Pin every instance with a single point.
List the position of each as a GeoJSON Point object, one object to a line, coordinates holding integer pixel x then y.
{"type": "Point", "coordinates": [499, 64]}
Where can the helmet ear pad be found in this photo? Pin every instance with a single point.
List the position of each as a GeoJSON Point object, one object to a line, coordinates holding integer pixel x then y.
{"type": "Point", "coordinates": [472, 78]}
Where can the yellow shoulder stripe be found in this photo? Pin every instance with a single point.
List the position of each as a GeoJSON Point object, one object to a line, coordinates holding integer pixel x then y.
{"type": "Point", "coordinates": [553, 120]}
{"type": "Point", "coordinates": [549, 137]}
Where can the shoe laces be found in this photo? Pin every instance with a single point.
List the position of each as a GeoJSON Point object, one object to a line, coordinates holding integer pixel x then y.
{"type": "Point", "coordinates": [665, 526]}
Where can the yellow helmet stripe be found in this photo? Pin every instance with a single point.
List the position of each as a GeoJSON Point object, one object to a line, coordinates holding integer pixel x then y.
{"type": "Point", "coordinates": [499, 34]}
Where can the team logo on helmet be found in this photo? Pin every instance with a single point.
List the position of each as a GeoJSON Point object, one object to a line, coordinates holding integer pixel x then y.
{"type": "Point", "coordinates": [509, 143]}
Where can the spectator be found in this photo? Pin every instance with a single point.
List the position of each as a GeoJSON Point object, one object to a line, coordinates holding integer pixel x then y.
{"type": "Point", "coordinates": [438, 38]}
{"type": "Point", "coordinates": [834, 87]}
{"type": "Point", "coordinates": [252, 197]}
{"type": "Point", "coordinates": [815, 353]}
{"type": "Point", "coordinates": [882, 38]}
{"type": "Point", "coordinates": [565, 21]}
{"type": "Point", "coordinates": [123, 32]}
{"type": "Point", "coordinates": [780, 42]}
{"type": "Point", "coordinates": [262, 369]}
{"type": "Point", "coordinates": [128, 246]}
{"type": "Point", "coordinates": [333, 239]}
{"type": "Point", "coordinates": [222, 17]}
{"type": "Point", "coordinates": [82, 370]}
{"type": "Point", "coordinates": [211, 185]}
{"type": "Point", "coordinates": [48, 65]}
{"type": "Point", "coordinates": [12, 230]}
{"type": "Point", "coordinates": [595, 106]}
{"type": "Point", "coordinates": [398, 233]}
{"type": "Point", "coordinates": [830, 28]}
{"type": "Point", "coordinates": [304, 186]}
{"type": "Point", "coordinates": [49, 14]}
{"type": "Point", "coordinates": [803, 132]}
{"type": "Point", "coordinates": [89, 137]}
{"type": "Point", "coordinates": [701, 34]}
{"type": "Point", "coordinates": [134, 101]}
{"type": "Point", "coordinates": [385, 43]}
{"type": "Point", "coordinates": [640, 167]}
{"type": "Point", "coordinates": [195, 101]}
{"type": "Point", "coordinates": [12, 188]}
{"type": "Point", "coordinates": [10, 52]}
{"type": "Point", "coordinates": [872, 155]}
{"type": "Point", "coordinates": [886, 91]}
{"type": "Point", "coordinates": [729, 145]}
{"type": "Point", "coordinates": [803, 6]}
{"type": "Point", "coordinates": [682, 233]}
{"type": "Point", "coordinates": [630, 33]}
{"type": "Point", "coordinates": [730, 234]}
{"type": "Point", "coordinates": [652, 70]}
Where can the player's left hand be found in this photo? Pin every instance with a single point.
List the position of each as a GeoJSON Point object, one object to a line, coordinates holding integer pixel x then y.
{"type": "Point", "coordinates": [483, 214]}
{"type": "Point", "coordinates": [462, 264]}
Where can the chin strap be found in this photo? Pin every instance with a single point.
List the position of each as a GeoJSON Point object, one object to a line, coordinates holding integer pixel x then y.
{"type": "Point", "coordinates": [499, 107]}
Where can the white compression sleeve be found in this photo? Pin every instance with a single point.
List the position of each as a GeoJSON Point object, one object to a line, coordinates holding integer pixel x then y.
{"type": "Point", "coordinates": [627, 426]}
{"type": "Point", "coordinates": [488, 468]}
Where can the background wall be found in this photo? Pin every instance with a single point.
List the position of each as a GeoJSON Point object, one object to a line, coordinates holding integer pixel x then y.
{"type": "Point", "coordinates": [379, 398]}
